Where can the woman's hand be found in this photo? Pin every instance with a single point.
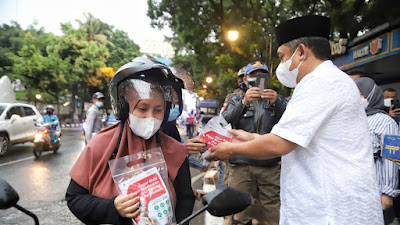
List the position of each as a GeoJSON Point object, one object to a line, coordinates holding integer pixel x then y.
{"type": "Point", "coordinates": [195, 146]}
{"type": "Point", "coordinates": [127, 205]}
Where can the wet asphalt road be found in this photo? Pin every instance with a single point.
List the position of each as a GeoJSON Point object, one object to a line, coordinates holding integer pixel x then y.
{"type": "Point", "coordinates": [41, 183]}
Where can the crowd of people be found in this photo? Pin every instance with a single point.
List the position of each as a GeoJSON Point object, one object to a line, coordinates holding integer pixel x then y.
{"type": "Point", "coordinates": [314, 159]}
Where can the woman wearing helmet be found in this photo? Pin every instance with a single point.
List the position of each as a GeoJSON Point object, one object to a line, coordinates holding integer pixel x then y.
{"type": "Point", "coordinates": [141, 96]}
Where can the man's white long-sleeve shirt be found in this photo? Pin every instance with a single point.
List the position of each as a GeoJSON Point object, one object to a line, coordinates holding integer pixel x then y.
{"type": "Point", "coordinates": [330, 177]}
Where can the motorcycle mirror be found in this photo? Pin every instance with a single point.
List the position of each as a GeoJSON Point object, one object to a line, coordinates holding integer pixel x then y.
{"type": "Point", "coordinates": [226, 201]}
{"type": "Point", "coordinates": [223, 202]}
{"type": "Point", "coordinates": [8, 196]}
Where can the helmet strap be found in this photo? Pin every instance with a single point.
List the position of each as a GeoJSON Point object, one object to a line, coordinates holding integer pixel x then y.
{"type": "Point", "coordinates": [158, 138]}
{"type": "Point", "coordinates": [114, 154]}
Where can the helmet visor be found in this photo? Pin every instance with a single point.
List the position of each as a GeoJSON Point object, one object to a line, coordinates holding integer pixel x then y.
{"type": "Point", "coordinates": [135, 90]}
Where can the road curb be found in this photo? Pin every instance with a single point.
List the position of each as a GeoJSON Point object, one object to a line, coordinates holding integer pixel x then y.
{"type": "Point", "coordinates": [71, 125]}
{"type": "Point", "coordinates": [210, 184]}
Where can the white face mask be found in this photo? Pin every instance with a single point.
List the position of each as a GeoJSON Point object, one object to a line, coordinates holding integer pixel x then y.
{"type": "Point", "coordinates": [144, 127]}
{"type": "Point", "coordinates": [364, 102]}
{"type": "Point", "coordinates": [285, 76]}
{"type": "Point", "coordinates": [387, 102]}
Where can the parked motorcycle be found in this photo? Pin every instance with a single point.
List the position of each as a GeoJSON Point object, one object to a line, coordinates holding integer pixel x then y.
{"type": "Point", "coordinates": [221, 202]}
{"type": "Point", "coordinates": [44, 140]}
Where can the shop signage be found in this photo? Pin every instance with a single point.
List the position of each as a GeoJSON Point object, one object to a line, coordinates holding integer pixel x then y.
{"type": "Point", "coordinates": [374, 47]}
{"type": "Point", "coordinates": [338, 48]}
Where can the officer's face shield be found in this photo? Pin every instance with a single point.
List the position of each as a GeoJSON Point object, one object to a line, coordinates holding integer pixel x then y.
{"type": "Point", "coordinates": [146, 98]}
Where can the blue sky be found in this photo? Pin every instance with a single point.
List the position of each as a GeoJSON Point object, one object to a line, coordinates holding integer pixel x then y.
{"type": "Point", "coordinates": [127, 15]}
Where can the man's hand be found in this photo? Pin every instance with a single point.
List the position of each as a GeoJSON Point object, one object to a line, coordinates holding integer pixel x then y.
{"type": "Point", "coordinates": [127, 205]}
{"type": "Point", "coordinates": [242, 136]}
{"type": "Point", "coordinates": [394, 112]}
{"type": "Point", "coordinates": [195, 145]}
{"type": "Point", "coordinates": [253, 94]}
{"type": "Point", "coordinates": [269, 95]}
{"type": "Point", "coordinates": [387, 201]}
{"type": "Point", "coordinates": [221, 152]}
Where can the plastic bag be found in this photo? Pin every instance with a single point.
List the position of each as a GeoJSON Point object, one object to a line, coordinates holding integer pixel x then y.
{"type": "Point", "coordinates": [145, 173]}
{"type": "Point", "coordinates": [214, 132]}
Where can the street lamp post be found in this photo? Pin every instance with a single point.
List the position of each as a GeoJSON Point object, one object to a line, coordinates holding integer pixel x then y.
{"type": "Point", "coordinates": [37, 98]}
{"type": "Point", "coordinates": [233, 35]}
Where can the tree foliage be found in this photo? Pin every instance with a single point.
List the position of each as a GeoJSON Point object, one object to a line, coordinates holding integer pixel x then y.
{"type": "Point", "coordinates": [11, 38]}
{"type": "Point", "coordinates": [201, 26]}
{"type": "Point", "coordinates": [122, 49]}
{"type": "Point", "coordinates": [79, 62]}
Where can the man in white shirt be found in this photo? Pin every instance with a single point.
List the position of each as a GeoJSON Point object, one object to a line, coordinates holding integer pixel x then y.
{"type": "Point", "coordinates": [328, 173]}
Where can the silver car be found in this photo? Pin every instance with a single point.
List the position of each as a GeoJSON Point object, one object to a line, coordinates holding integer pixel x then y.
{"type": "Point", "coordinates": [17, 124]}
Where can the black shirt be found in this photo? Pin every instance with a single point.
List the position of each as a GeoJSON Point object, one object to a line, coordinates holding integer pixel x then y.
{"type": "Point", "coordinates": [91, 209]}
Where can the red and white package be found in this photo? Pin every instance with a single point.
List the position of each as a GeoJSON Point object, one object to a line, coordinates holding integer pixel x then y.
{"type": "Point", "coordinates": [155, 205]}
{"type": "Point", "coordinates": [146, 175]}
{"type": "Point", "coordinates": [214, 132]}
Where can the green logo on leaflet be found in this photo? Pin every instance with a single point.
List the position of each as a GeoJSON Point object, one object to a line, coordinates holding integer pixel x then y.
{"type": "Point", "coordinates": [156, 207]}
{"type": "Point", "coordinates": [159, 215]}
{"type": "Point", "coordinates": [169, 208]}
{"type": "Point", "coordinates": [162, 204]}
{"type": "Point", "coordinates": [165, 211]}
{"type": "Point", "coordinates": [167, 201]}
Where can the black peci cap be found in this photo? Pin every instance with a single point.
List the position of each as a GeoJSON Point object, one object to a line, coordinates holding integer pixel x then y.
{"type": "Point", "coordinates": [307, 26]}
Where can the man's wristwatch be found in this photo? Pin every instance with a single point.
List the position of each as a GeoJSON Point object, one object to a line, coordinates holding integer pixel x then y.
{"type": "Point", "coordinates": [243, 103]}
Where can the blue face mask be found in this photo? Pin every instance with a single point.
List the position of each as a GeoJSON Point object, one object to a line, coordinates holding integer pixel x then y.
{"type": "Point", "coordinates": [173, 114]}
{"type": "Point", "coordinates": [252, 81]}
{"type": "Point", "coordinates": [99, 104]}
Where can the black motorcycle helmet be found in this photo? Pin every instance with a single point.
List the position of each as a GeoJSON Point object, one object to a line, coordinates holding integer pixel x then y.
{"type": "Point", "coordinates": [143, 69]}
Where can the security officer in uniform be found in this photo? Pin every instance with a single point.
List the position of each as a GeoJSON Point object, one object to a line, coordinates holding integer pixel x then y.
{"type": "Point", "coordinates": [256, 112]}
{"type": "Point", "coordinates": [94, 116]}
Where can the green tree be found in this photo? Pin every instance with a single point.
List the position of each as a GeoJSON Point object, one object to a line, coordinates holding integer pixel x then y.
{"type": "Point", "coordinates": [96, 29]}
{"type": "Point", "coordinates": [11, 40]}
{"type": "Point", "coordinates": [201, 26]}
{"type": "Point", "coordinates": [122, 50]}
{"type": "Point", "coordinates": [85, 58]}
{"type": "Point", "coordinates": [39, 69]}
